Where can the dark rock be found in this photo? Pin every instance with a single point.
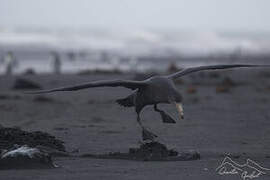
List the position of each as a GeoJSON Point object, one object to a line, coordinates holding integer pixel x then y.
{"type": "Point", "coordinates": [25, 157]}
{"type": "Point", "coordinates": [11, 136]}
{"type": "Point", "coordinates": [25, 84]}
{"type": "Point", "coordinates": [152, 151]}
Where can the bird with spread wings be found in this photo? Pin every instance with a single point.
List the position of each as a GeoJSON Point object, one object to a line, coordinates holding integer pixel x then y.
{"type": "Point", "coordinates": [152, 91]}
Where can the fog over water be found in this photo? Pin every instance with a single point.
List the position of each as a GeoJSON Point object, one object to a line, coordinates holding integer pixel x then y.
{"type": "Point", "coordinates": [109, 32]}
{"type": "Point", "coordinates": [138, 43]}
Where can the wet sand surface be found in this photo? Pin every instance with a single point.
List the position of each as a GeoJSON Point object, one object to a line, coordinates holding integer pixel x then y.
{"type": "Point", "coordinates": [219, 119]}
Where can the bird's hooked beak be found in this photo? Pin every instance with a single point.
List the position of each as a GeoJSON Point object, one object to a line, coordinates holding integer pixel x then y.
{"type": "Point", "coordinates": [180, 111]}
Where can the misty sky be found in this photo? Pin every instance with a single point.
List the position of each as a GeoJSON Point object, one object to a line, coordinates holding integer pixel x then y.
{"type": "Point", "coordinates": [236, 15]}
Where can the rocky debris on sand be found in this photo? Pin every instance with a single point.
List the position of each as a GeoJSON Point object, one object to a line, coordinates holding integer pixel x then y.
{"type": "Point", "coordinates": [11, 136]}
{"type": "Point", "coordinates": [25, 157]}
{"type": "Point", "coordinates": [191, 90]}
{"type": "Point", "coordinates": [21, 83]}
{"type": "Point", "coordinates": [225, 85]}
{"type": "Point", "coordinates": [151, 151]}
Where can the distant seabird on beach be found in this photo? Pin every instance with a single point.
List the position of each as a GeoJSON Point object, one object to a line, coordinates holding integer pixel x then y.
{"type": "Point", "coordinates": [152, 91]}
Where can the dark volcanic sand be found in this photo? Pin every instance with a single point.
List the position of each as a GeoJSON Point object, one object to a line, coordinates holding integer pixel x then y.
{"type": "Point", "coordinates": [233, 121]}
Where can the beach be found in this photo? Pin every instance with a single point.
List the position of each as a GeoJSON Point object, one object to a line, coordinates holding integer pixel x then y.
{"type": "Point", "coordinates": [226, 114]}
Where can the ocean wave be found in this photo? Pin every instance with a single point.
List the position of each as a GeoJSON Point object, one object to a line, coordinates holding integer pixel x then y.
{"type": "Point", "coordinates": [140, 42]}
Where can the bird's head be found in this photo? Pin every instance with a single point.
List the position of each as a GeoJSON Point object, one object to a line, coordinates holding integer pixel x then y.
{"type": "Point", "coordinates": [176, 99]}
{"type": "Point", "coordinates": [180, 110]}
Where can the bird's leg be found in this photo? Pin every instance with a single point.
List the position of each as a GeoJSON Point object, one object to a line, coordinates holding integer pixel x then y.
{"type": "Point", "coordinates": [146, 135]}
{"type": "Point", "coordinates": [164, 116]}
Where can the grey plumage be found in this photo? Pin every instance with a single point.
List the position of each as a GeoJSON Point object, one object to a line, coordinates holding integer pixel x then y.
{"type": "Point", "coordinates": [152, 91]}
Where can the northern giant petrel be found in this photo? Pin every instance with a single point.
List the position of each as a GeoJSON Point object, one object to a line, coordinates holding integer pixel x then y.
{"type": "Point", "coordinates": [152, 91]}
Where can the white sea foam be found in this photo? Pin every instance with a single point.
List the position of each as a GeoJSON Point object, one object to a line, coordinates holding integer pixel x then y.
{"type": "Point", "coordinates": [141, 42]}
{"type": "Point", "coordinates": [107, 50]}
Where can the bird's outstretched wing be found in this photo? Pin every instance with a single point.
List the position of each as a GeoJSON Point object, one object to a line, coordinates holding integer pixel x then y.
{"type": "Point", "coordinates": [214, 67]}
{"type": "Point", "coordinates": [113, 83]}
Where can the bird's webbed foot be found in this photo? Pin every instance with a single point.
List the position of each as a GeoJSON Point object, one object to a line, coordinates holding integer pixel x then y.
{"type": "Point", "coordinates": [147, 135]}
{"type": "Point", "coordinates": [164, 116]}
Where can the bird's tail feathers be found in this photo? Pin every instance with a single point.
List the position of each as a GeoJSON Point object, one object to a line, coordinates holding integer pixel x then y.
{"type": "Point", "coordinates": [126, 102]}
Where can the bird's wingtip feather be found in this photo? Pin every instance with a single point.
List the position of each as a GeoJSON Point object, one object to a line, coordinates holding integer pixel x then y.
{"type": "Point", "coordinates": [37, 92]}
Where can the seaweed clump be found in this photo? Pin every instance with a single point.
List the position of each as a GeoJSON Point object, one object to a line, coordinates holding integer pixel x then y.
{"type": "Point", "coordinates": [148, 151]}
{"type": "Point", "coordinates": [11, 136]}
{"type": "Point", "coordinates": [152, 151]}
